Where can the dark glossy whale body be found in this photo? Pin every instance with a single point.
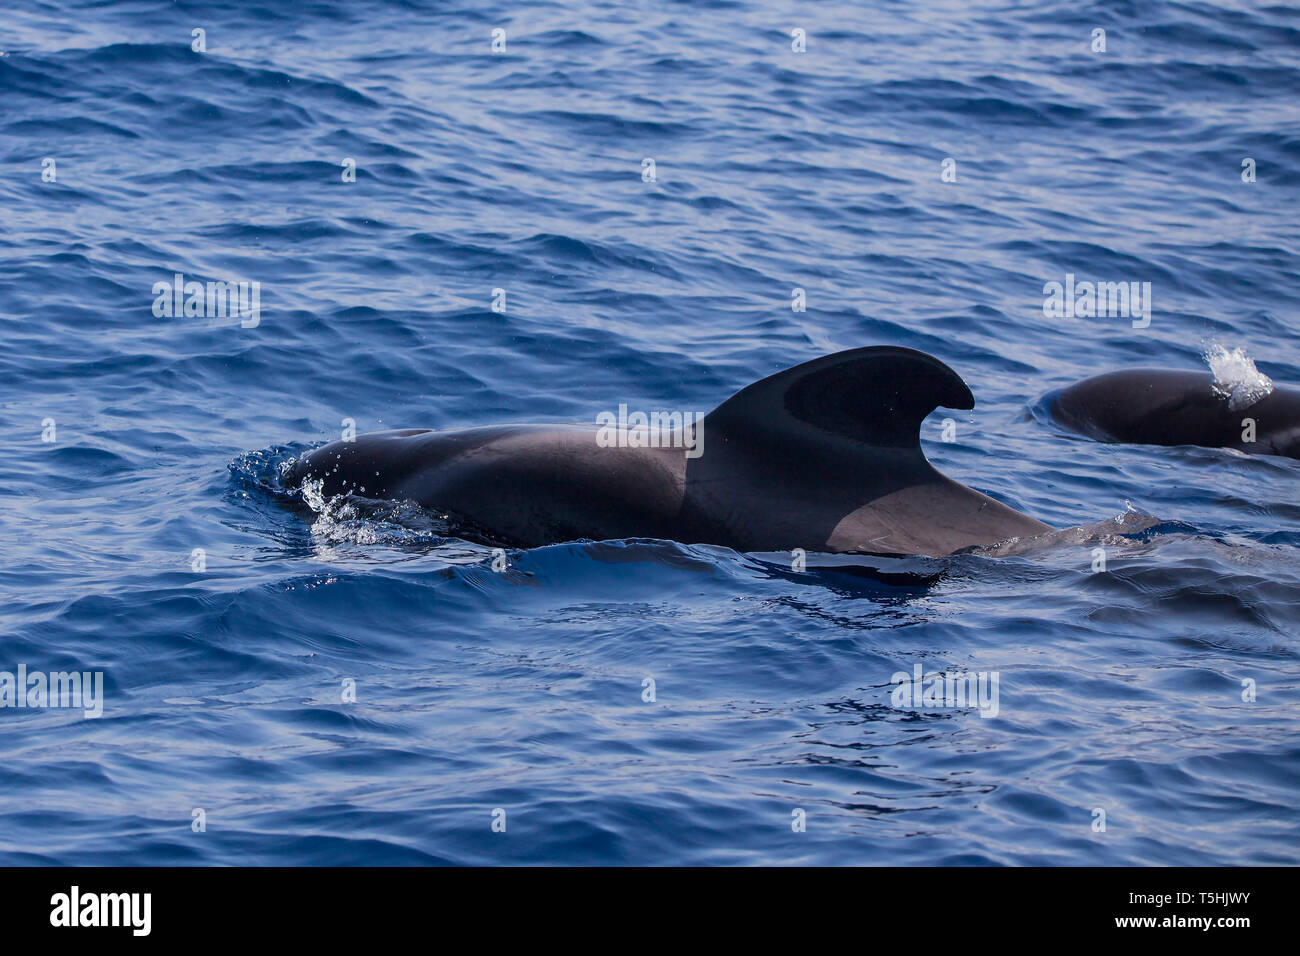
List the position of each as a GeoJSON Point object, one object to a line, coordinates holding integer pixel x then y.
{"type": "Point", "coordinates": [1169, 407]}
{"type": "Point", "coordinates": [825, 456]}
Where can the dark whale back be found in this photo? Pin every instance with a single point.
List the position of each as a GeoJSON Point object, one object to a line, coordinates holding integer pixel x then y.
{"type": "Point", "coordinates": [825, 456]}
{"type": "Point", "coordinates": [1173, 407]}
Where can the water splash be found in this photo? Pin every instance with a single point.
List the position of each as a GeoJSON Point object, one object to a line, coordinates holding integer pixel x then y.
{"type": "Point", "coordinates": [347, 519]}
{"type": "Point", "coordinates": [1235, 376]}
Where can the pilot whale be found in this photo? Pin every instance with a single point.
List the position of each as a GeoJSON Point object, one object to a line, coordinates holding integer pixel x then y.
{"type": "Point", "coordinates": [825, 456]}
{"type": "Point", "coordinates": [1151, 406]}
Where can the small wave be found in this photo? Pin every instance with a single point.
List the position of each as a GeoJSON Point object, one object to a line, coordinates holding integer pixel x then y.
{"type": "Point", "coordinates": [1129, 525]}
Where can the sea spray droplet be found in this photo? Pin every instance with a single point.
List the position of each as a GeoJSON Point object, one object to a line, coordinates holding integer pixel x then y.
{"type": "Point", "coordinates": [313, 494]}
{"type": "Point", "coordinates": [1235, 376]}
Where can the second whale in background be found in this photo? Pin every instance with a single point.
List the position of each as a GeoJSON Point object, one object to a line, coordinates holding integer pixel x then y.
{"type": "Point", "coordinates": [1152, 406]}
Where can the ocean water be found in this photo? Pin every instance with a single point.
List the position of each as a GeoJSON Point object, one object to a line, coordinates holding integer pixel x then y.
{"type": "Point", "coordinates": [148, 538]}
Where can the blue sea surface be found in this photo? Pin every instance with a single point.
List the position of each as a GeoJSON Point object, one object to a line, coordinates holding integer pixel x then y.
{"type": "Point", "coordinates": [148, 538]}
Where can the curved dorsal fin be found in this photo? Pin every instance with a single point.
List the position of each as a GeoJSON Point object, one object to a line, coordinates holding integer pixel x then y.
{"type": "Point", "coordinates": [878, 395]}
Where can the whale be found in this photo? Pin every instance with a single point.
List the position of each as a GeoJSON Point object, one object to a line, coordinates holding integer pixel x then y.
{"type": "Point", "coordinates": [1153, 406]}
{"type": "Point", "coordinates": [825, 456]}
